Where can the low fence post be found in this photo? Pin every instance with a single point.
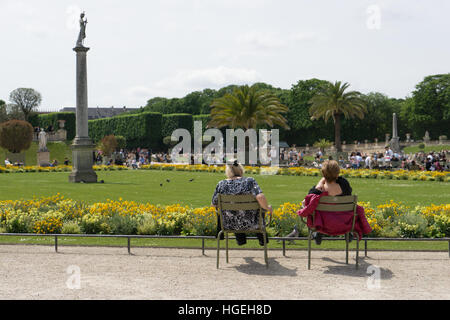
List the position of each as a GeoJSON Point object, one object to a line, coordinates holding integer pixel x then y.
{"type": "Point", "coordinates": [365, 248]}
{"type": "Point", "coordinates": [203, 246]}
{"type": "Point", "coordinates": [129, 246]}
{"type": "Point", "coordinates": [284, 248]}
{"type": "Point", "coordinates": [56, 243]}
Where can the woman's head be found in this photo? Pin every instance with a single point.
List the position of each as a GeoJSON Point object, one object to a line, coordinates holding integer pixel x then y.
{"type": "Point", "coordinates": [330, 170]}
{"type": "Point", "coordinates": [234, 169]}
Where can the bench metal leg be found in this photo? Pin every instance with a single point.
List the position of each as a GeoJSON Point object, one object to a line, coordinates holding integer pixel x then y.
{"type": "Point", "coordinates": [226, 245]}
{"type": "Point", "coordinates": [309, 249]}
{"type": "Point", "coordinates": [346, 248]}
{"type": "Point", "coordinates": [218, 247]}
{"type": "Point", "coordinates": [357, 253]}
{"type": "Point", "coordinates": [365, 248]}
{"type": "Point", "coordinates": [266, 259]}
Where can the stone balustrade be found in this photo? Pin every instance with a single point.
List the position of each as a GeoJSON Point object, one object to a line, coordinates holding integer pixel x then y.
{"type": "Point", "coordinates": [60, 135]}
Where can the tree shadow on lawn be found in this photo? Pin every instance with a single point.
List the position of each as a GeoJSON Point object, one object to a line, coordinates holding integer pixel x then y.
{"type": "Point", "coordinates": [275, 268]}
{"type": "Point", "coordinates": [349, 269]}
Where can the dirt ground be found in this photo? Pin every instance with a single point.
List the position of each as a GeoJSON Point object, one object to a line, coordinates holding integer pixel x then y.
{"type": "Point", "coordinates": [37, 272]}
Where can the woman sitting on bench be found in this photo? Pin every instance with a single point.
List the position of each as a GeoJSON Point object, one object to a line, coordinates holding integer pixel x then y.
{"type": "Point", "coordinates": [235, 184]}
{"type": "Point", "coordinates": [331, 183]}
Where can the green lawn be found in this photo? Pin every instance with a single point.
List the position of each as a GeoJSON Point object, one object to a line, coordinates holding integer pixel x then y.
{"type": "Point", "coordinates": [144, 186]}
{"type": "Point", "coordinates": [197, 243]}
{"type": "Point", "coordinates": [436, 148]}
{"type": "Point", "coordinates": [58, 151]}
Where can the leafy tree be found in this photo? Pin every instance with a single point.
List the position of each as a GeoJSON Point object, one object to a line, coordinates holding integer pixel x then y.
{"type": "Point", "coordinates": [246, 107]}
{"type": "Point", "coordinates": [16, 135]}
{"type": "Point", "coordinates": [3, 112]}
{"type": "Point", "coordinates": [303, 129]}
{"type": "Point", "coordinates": [121, 142]}
{"type": "Point", "coordinates": [108, 145]}
{"type": "Point", "coordinates": [26, 99]}
{"type": "Point", "coordinates": [378, 119]}
{"type": "Point", "coordinates": [430, 106]}
{"type": "Point", "coordinates": [333, 102]}
{"type": "Point", "coordinates": [322, 144]}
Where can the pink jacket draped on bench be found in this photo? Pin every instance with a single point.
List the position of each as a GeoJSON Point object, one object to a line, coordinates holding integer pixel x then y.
{"type": "Point", "coordinates": [333, 223]}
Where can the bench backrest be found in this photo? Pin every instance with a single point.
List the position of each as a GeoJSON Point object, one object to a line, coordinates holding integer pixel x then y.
{"type": "Point", "coordinates": [239, 202]}
{"type": "Point", "coordinates": [339, 204]}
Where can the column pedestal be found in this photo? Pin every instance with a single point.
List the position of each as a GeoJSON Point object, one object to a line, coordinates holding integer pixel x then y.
{"type": "Point", "coordinates": [43, 159]}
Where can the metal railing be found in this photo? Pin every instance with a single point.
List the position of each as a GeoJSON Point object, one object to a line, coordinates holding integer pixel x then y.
{"type": "Point", "coordinates": [203, 238]}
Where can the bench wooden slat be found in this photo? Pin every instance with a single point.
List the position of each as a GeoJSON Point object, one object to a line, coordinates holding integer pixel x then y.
{"type": "Point", "coordinates": [240, 206]}
{"type": "Point", "coordinates": [338, 199]}
{"type": "Point", "coordinates": [335, 207]}
{"type": "Point", "coordinates": [224, 198]}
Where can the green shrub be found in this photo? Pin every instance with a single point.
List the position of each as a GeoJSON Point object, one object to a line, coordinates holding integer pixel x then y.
{"type": "Point", "coordinates": [140, 130]}
{"type": "Point", "coordinates": [119, 224]}
{"type": "Point", "coordinates": [121, 142]}
{"type": "Point", "coordinates": [51, 119]}
{"type": "Point", "coordinates": [147, 226]}
{"type": "Point", "coordinates": [94, 224]}
{"type": "Point", "coordinates": [204, 118]}
{"type": "Point", "coordinates": [412, 225]}
{"type": "Point", "coordinates": [71, 227]}
{"type": "Point", "coordinates": [16, 135]}
{"type": "Point", "coordinates": [18, 221]}
{"type": "Point", "coordinates": [171, 122]}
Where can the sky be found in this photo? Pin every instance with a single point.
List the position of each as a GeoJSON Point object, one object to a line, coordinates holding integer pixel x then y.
{"type": "Point", "coordinates": [140, 49]}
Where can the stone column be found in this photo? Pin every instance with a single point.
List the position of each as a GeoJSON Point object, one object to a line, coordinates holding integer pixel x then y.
{"type": "Point", "coordinates": [395, 146]}
{"type": "Point", "coordinates": [82, 147]}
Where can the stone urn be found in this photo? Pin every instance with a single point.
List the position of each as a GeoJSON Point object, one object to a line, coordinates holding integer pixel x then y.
{"type": "Point", "coordinates": [61, 123]}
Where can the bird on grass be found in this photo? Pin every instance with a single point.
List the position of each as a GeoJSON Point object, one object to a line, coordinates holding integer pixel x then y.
{"type": "Point", "coordinates": [293, 234]}
{"type": "Point", "coordinates": [160, 184]}
{"type": "Point", "coordinates": [168, 180]}
{"type": "Point", "coordinates": [190, 180]}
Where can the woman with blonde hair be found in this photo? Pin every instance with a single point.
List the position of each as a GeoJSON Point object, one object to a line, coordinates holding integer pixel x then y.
{"type": "Point", "coordinates": [235, 184]}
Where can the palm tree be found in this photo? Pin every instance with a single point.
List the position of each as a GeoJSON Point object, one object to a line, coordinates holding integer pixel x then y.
{"type": "Point", "coordinates": [333, 102]}
{"type": "Point", "coordinates": [246, 107]}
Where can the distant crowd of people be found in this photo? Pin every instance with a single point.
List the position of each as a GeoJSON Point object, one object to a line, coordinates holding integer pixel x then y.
{"type": "Point", "coordinates": [134, 158]}
{"type": "Point", "coordinates": [387, 160]}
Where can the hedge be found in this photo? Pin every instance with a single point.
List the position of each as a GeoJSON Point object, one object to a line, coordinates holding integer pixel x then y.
{"type": "Point", "coordinates": [140, 130]}
{"type": "Point", "coordinates": [204, 118]}
{"type": "Point", "coordinates": [51, 119]}
{"type": "Point", "coordinates": [171, 122]}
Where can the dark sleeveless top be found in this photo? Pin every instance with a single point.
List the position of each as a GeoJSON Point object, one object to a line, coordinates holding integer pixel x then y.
{"type": "Point", "coordinates": [342, 182]}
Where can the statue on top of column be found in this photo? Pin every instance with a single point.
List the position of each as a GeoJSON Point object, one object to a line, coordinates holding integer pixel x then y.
{"type": "Point", "coordinates": [82, 34]}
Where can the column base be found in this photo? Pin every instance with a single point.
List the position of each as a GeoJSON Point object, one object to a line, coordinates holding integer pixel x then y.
{"type": "Point", "coordinates": [83, 160]}
{"type": "Point", "coordinates": [83, 176]}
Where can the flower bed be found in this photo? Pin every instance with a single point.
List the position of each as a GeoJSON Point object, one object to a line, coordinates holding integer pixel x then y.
{"type": "Point", "coordinates": [292, 171]}
{"type": "Point", "coordinates": [56, 214]}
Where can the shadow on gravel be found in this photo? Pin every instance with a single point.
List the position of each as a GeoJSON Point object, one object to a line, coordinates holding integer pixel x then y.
{"type": "Point", "coordinates": [349, 269]}
{"type": "Point", "coordinates": [256, 268]}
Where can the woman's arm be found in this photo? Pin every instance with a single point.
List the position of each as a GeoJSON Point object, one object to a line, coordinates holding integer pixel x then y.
{"type": "Point", "coordinates": [321, 184]}
{"type": "Point", "coordinates": [261, 198]}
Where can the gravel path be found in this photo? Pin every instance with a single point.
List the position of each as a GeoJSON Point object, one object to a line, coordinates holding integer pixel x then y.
{"type": "Point", "coordinates": [37, 272]}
